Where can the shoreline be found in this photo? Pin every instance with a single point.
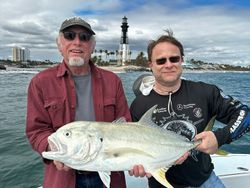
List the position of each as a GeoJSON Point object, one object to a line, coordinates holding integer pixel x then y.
{"type": "Point", "coordinates": [126, 68]}
{"type": "Point", "coordinates": [132, 68]}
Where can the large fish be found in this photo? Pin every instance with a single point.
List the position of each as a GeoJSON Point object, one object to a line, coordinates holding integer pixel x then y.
{"type": "Point", "coordinates": [118, 146]}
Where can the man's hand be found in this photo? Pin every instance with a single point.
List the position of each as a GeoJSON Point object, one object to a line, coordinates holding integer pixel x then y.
{"type": "Point", "coordinates": [209, 142]}
{"type": "Point", "coordinates": [61, 166]}
{"type": "Point", "coordinates": [182, 159]}
{"type": "Point", "coordinates": [138, 171]}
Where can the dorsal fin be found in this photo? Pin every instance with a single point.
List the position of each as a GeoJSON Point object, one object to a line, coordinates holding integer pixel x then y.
{"type": "Point", "coordinates": [146, 119]}
{"type": "Point", "coordinates": [120, 120]}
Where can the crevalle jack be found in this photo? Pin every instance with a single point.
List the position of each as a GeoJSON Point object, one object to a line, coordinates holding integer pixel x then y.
{"type": "Point", "coordinates": [118, 146]}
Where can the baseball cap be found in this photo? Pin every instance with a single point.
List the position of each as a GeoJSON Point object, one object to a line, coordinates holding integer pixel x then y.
{"type": "Point", "coordinates": [76, 21]}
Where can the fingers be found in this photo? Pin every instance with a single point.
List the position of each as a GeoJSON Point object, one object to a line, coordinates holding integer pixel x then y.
{"type": "Point", "coordinates": [200, 136]}
{"type": "Point", "coordinates": [138, 171]}
{"type": "Point", "coordinates": [148, 175]}
{"type": "Point", "coordinates": [61, 166]}
{"type": "Point", "coordinates": [182, 158]}
{"type": "Point", "coordinates": [209, 142]}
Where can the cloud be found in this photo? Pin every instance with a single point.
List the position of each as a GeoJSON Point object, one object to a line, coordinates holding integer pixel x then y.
{"type": "Point", "coordinates": [215, 32]}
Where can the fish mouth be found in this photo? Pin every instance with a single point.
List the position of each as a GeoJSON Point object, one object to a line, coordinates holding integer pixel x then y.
{"type": "Point", "coordinates": [55, 147]}
{"type": "Point", "coordinates": [56, 150]}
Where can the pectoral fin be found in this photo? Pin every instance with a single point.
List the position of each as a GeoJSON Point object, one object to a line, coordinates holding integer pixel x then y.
{"type": "Point", "coordinates": [105, 177]}
{"type": "Point", "coordinates": [121, 152]}
{"type": "Point", "coordinates": [159, 175]}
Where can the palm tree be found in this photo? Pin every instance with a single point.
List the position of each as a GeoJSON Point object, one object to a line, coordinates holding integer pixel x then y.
{"type": "Point", "coordinates": [116, 54]}
{"type": "Point", "coordinates": [106, 55]}
{"type": "Point", "coordinates": [100, 55]}
{"type": "Point", "coordinates": [112, 53]}
{"type": "Point", "coordinates": [129, 56]}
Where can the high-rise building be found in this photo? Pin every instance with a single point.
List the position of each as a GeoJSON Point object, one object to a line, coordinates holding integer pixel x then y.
{"type": "Point", "coordinates": [20, 54]}
{"type": "Point", "coordinates": [16, 54]}
{"type": "Point", "coordinates": [26, 56]}
{"type": "Point", "coordinates": [124, 52]}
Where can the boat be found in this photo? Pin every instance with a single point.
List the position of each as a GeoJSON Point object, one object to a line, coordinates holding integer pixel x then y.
{"type": "Point", "coordinates": [2, 67]}
{"type": "Point", "coordinates": [233, 169]}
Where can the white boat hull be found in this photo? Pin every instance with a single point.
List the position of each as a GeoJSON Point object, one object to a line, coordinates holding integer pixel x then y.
{"type": "Point", "coordinates": [233, 169]}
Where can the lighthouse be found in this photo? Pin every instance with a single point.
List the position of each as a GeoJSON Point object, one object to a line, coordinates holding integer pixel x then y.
{"type": "Point", "coordinates": [124, 52]}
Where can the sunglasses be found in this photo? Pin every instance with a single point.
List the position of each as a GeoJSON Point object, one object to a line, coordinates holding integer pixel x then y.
{"type": "Point", "coordinates": [172, 59]}
{"type": "Point", "coordinates": [71, 35]}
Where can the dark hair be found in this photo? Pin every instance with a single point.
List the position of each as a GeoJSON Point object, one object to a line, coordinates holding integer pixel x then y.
{"type": "Point", "coordinates": [168, 37]}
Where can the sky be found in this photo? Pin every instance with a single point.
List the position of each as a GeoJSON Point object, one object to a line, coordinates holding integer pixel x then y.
{"type": "Point", "coordinates": [210, 30]}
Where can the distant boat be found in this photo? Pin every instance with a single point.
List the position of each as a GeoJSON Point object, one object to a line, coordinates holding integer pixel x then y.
{"type": "Point", "coordinates": [2, 67]}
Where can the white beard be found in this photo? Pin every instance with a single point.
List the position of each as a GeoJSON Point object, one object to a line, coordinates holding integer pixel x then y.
{"type": "Point", "coordinates": [76, 61]}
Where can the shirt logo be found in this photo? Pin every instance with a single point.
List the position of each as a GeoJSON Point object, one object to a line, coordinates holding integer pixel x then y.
{"type": "Point", "coordinates": [197, 112]}
{"type": "Point", "coordinates": [238, 121]}
{"type": "Point", "coordinates": [181, 127]}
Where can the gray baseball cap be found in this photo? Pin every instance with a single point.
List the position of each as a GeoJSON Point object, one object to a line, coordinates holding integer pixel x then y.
{"type": "Point", "coordinates": [76, 21]}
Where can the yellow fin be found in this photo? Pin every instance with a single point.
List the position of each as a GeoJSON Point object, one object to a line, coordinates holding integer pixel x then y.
{"type": "Point", "coordinates": [209, 127]}
{"type": "Point", "coordinates": [210, 124]}
{"type": "Point", "coordinates": [221, 152]}
{"type": "Point", "coordinates": [159, 175]}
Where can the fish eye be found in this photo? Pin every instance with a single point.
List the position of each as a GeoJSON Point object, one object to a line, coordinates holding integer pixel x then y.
{"type": "Point", "coordinates": [67, 133]}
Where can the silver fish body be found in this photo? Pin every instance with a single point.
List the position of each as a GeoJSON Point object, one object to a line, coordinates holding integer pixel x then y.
{"type": "Point", "coordinates": [117, 146]}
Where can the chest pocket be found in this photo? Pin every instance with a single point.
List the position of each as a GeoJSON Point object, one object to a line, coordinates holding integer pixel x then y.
{"type": "Point", "coordinates": [56, 109]}
{"type": "Point", "coordinates": [109, 109]}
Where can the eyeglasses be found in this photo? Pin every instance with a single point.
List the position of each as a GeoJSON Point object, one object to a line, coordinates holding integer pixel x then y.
{"type": "Point", "coordinates": [172, 59]}
{"type": "Point", "coordinates": [71, 35]}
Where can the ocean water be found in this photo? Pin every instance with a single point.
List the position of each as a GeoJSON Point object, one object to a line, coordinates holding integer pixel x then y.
{"type": "Point", "coordinates": [21, 167]}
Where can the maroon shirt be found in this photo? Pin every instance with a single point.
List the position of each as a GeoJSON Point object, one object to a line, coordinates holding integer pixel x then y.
{"type": "Point", "coordinates": [52, 104]}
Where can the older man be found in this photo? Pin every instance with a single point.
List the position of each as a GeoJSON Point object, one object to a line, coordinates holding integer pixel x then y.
{"type": "Point", "coordinates": [73, 90]}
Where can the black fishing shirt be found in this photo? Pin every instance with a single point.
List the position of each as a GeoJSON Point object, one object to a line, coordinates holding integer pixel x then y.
{"type": "Point", "coordinates": [195, 103]}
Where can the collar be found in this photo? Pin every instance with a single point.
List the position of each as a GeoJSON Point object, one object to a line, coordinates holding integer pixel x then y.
{"type": "Point", "coordinates": [62, 69]}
